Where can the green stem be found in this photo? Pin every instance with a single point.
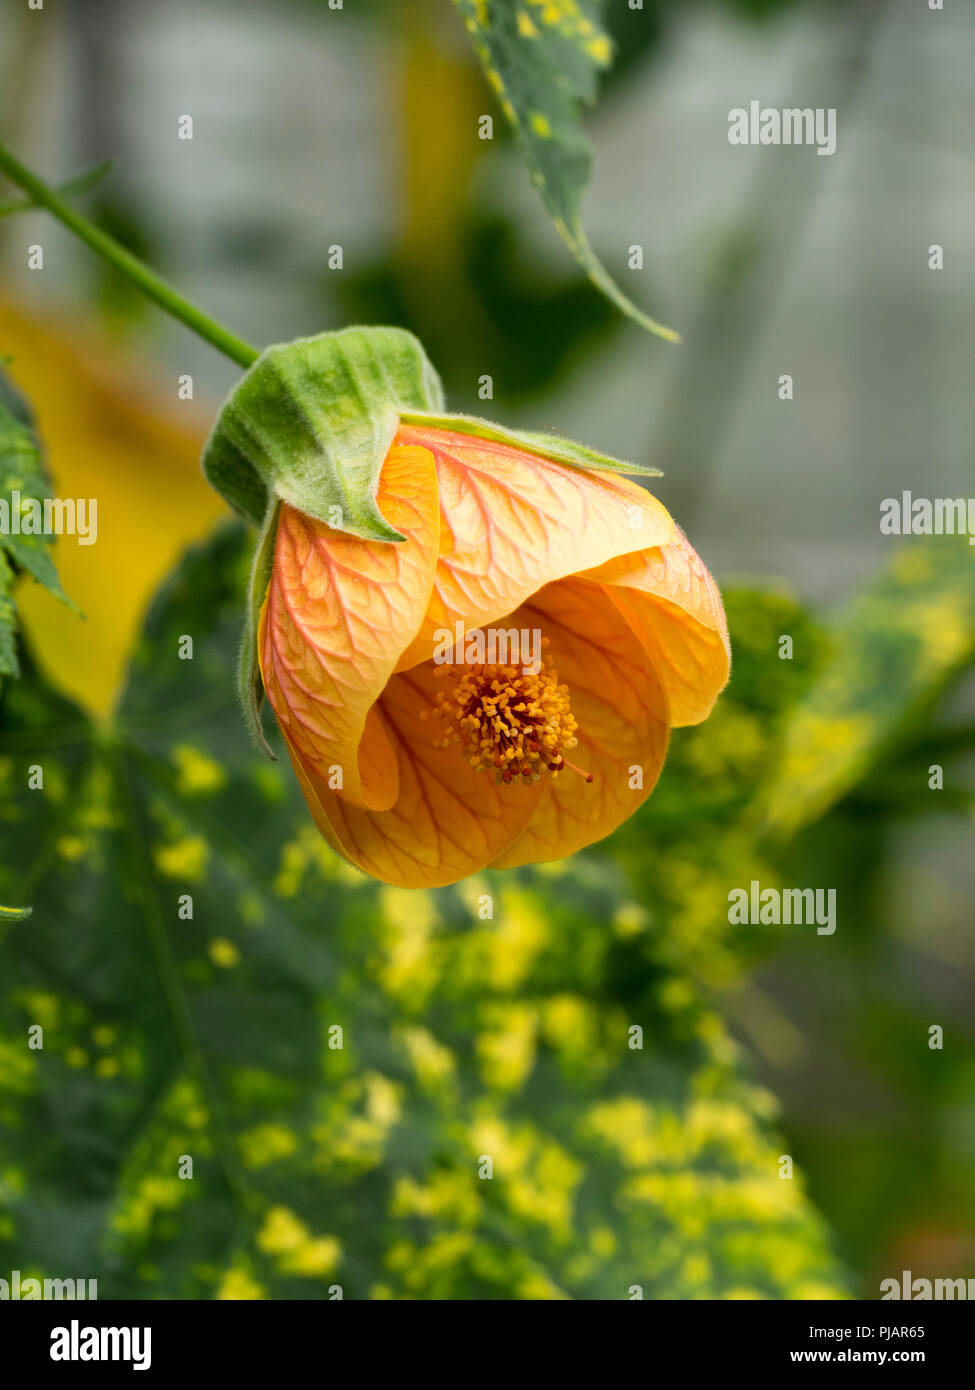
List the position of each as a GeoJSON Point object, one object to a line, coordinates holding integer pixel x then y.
{"type": "Point", "coordinates": [146, 280]}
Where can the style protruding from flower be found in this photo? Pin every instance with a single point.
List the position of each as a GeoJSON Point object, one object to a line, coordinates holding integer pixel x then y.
{"type": "Point", "coordinates": [420, 772]}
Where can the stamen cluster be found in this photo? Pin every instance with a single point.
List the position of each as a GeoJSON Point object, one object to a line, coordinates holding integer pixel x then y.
{"type": "Point", "coordinates": [507, 720]}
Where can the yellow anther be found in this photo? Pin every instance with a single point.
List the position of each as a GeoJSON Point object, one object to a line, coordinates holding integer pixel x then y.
{"type": "Point", "coordinates": [508, 721]}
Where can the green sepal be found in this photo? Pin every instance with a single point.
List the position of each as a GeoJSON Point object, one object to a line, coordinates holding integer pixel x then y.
{"type": "Point", "coordinates": [250, 685]}
{"type": "Point", "coordinates": [310, 424]}
{"type": "Point", "coordinates": [549, 446]}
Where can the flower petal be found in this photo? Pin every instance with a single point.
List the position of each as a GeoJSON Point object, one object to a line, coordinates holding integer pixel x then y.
{"type": "Point", "coordinates": [621, 708]}
{"type": "Point", "coordinates": [511, 522]}
{"type": "Point", "coordinates": [448, 821]}
{"type": "Point", "coordinates": [673, 605]}
{"type": "Point", "coordinates": [338, 613]}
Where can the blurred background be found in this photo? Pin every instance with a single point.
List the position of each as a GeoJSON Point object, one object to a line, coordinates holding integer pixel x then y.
{"type": "Point", "coordinates": [315, 128]}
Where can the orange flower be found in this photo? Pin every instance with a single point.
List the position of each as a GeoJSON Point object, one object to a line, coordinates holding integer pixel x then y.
{"type": "Point", "coordinates": [422, 770]}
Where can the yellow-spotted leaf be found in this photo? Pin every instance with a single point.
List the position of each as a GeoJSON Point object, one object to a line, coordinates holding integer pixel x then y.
{"type": "Point", "coordinates": [542, 59]}
{"type": "Point", "coordinates": [892, 651]}
{"type": "Point", "coordinates": [264, 1075]}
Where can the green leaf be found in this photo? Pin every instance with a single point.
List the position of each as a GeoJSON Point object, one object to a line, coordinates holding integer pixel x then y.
{"type": "Point", "coordinates": [310, 424]}
{"type": "Point", "coordinates": [541, 58]}
{"type": "Point", "coordinates": [23, 491]}
{"type": "Point", "coordinates": [8, 620]}
{"type": "Point", "coordinates": [550, 446]}
{"type": "Point", "coordinates": [84, 182]}
{"type": "Point", "coordinates": [892, 652]}
{"type": "Point", "coordinates": [464, 1037]}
